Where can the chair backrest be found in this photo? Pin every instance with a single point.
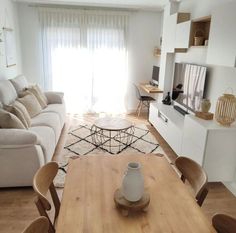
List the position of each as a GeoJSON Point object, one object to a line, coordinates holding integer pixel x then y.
{"type": "Point", "coordinates": [195, 175]}
{"type": "Point", "coordinates": [224, 223]}
{"type": "Point", "coordinates": [39, 225]}
{"type": "Point", "coordinates": [137, 92]}
{"type": "Point", "coordinates": [42, 183]}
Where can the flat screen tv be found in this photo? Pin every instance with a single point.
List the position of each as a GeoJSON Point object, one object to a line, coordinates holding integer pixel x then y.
{"type": "Point", "coordinates": [188, 85]}
{"type": "Point", "coordinates": [155, 75]}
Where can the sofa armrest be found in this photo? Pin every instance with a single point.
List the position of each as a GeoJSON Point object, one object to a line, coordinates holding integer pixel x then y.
{"type": "Point", "coordinates": [15, 138]}
{"type": "Point", "coordinates": [54, 97]}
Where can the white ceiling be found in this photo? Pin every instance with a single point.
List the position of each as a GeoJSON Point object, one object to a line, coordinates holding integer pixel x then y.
{"type": "Point", "coordinates": [135, 4]}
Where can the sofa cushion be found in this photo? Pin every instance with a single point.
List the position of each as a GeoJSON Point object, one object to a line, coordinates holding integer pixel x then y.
{"type": "Point", "coordinates": [59, 109]}
{"type": "Point", "coordinates": [49, 119]}
{"type": "Point", "coordinates": [31, 104]}
{"type": "Point", "coordinates": [7, 92]}
{"type": "Point", "coordinates": [40, 97]}
{"type": "Point", "coordinates": [9, 120]}
{"type": "Point", "coordinates": [46, 138]}
{"type": "Point", "coordinates": [20, 83]}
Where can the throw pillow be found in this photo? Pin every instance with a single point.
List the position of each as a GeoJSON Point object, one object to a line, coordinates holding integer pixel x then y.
{"type": "Point", "coordinates": [8, 120]}
{"type": "Point", "coordinates": [31, 104]}
{"type": "Point", "coordinates": [38, 94]}
{"type": "Point", "coordinates": [19, 110]}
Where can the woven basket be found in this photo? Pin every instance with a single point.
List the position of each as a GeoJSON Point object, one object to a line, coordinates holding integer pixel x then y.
{"type": "Point", "coordinates": [226, 109]}
{"type": "Point", "coordinates": [198, 38]}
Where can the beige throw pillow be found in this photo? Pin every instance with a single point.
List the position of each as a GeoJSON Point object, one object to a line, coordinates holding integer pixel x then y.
{"type": "Point", "coordinates": [8, 120]}
{"type": "Point", "coordinates": [19, 110]}
{"type": "Point", "coordinates": [35, 90]}
{"type": "Point", "coordinates": [31, 104]}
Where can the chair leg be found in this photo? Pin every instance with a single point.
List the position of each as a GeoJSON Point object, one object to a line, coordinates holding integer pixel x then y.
{"type": "Point", "coordinates": [140, 108]}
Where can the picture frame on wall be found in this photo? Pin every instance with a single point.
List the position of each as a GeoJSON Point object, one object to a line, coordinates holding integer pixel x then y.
{"type": "Point", "coordinates": [10, 47]}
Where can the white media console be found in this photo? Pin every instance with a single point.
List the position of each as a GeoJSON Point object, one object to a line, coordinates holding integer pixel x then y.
{"type": "Point", "coordinates": [208, 143]}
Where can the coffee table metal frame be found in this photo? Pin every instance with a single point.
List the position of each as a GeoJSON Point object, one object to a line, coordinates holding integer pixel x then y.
{"type": "Point", "coordinates": [108, 139]}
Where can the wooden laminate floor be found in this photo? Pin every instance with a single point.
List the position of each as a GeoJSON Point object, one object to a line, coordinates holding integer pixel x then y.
{"type": "Point", "coordinates": [17, 207]}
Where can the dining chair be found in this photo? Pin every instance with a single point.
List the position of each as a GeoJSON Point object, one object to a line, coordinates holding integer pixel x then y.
{"type": "Point", "coordinates": [39, 225]}
{"type": "Point", "coordinates": [195, 175]}
{"type": "Point", "coordinates": [224, 223]}
{"type": "Point", "coordinates": [42, 184]}
{"type": "Point", "coordinates": [143, 100]}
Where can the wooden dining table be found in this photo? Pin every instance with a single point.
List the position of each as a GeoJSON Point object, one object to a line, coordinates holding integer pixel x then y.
{"type": "Point", "coordinates": [88, 206]}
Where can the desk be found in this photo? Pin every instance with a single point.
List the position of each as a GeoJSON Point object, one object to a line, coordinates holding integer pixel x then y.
{"type": "Point", "coordinates": [150, 89]}
{"type": "Point", "coordinates": [88, 206]}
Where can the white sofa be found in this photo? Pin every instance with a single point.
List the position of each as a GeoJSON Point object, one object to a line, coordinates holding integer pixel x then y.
{"type": "Point", "coordinates": [23, 151]}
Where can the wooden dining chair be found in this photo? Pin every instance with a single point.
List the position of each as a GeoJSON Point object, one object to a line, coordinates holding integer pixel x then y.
{"type": "Point", "coordinates": [143, 100]}
{"type": "Point", "coordinates": [224, 223]}
{"type": "Point", "coordinates": [195, 175]}
{"type": "Point", "coordinates": [39, 225]}
{"type": "Point", "coordinates": [42, 184]}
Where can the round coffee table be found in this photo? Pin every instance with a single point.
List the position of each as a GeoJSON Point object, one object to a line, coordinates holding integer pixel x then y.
{"type": "Point", "coordinates": [112, 134]}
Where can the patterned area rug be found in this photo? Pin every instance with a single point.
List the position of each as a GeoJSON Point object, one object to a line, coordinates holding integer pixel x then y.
{"type": "Point", "coordinates": [80, 143]}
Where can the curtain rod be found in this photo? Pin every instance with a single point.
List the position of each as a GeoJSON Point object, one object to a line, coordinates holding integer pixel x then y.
{"type": "Point", "coordinates": [82, 7]}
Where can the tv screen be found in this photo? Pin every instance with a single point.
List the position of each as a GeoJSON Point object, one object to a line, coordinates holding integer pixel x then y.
{"type": "Point", "coordinates": [155, 74]}
{"type": "Point", "coordinates": [188, 85]}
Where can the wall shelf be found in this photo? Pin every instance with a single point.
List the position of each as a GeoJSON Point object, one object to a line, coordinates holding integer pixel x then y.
{"type": "Point", "coordinates": [200, 27]}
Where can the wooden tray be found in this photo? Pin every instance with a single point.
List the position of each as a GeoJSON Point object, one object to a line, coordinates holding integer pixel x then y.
{"type": "Point", "coordinates": [204, 115]}
{"type": "Point", "coordinates": [126, 206]}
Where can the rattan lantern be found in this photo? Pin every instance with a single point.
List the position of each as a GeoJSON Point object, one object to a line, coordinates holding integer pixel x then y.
{"type": "Point", "coordinates": [226, 109]}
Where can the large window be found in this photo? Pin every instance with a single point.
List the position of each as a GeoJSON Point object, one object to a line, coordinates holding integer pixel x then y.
{"type": "Point", "coordinates": [85, 56]}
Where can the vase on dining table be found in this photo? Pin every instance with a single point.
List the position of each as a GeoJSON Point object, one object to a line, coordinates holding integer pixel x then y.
{"type": "Point", "coordinates": [133, 183]}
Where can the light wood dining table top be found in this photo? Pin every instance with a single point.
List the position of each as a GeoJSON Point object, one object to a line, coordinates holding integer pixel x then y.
{"type": "Point", "coordinates": [88, 206]}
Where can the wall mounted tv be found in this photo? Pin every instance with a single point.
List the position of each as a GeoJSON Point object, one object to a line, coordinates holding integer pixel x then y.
{"type": "Point", "coordinates": [188, 85]}
{"type": "Point", "coordinates": [155, 75]}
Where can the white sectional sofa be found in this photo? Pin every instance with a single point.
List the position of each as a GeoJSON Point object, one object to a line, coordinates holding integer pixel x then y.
{"type": "Point", "coordinates": [23, 151]}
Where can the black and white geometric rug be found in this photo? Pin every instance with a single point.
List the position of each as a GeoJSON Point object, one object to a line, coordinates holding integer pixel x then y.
{"type": "Point", "coordinates": [80, 143]}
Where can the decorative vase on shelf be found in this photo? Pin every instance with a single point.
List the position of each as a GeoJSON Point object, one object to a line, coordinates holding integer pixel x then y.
{"type": "Point", "coordinates": [205, 105]}
{"type": "Point", "coordinates": [133, 183]}
{"type": "Point", "coordinates": [226, 109]}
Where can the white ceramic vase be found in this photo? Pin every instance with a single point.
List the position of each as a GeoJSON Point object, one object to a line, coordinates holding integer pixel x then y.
{"type": "Point", "coordinates": [133, 184]}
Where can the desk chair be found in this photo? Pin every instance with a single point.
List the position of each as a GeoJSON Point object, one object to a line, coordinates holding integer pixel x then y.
{"type": "Point", "coordinates": [143, 100]}
{"type": "Point", "coordinates": [195, 175]}
{"type": "Point", "coordinates": [224, 223]}
{"type": "Point", "coordinates": [39, 225]}
{"type": "Point", "coordinates": [42, 184]}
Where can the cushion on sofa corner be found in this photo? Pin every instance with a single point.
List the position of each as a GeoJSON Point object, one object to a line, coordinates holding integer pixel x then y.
{"type": "Point", "coordinates": [20, 83]}
{"type": "Point", "coordinates": [19, 110]}
{"type": "Point", "coordinates": [31, 104]}
{"type": "Point", "coordinates": [7, 92]}
{"type": "Point", "coordinates": [9, 120]}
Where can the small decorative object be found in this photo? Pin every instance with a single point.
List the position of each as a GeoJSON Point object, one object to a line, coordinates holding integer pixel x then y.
{"type": "Point", "coordinates": [167, 99]}
{"type": "Point", "coordinates": [198, 38]}
{"type": "Point", "coordinates": [156, 52]}
{"type": "Point", "coordinates": [127, 206]}
{"type": "Point", "coordinates": [226, 109]}
{"type": "Point", "coordinates": [204, 115]}
{"type": "Point", "coordinates": [133, 184]}
{"type": "Point", "coordinates": [205, 105]}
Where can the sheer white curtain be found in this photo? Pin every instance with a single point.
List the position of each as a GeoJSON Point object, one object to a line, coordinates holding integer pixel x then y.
{"type": "Point", "coordinates": [85, 56]}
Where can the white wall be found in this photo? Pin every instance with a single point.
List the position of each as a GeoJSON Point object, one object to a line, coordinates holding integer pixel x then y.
{"type": "Point", "coordinates": [9, 18]}
{"type": "Point", "coordinates": [219, 78]}
{"type": "Point", "coordinates": [144, 35]}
